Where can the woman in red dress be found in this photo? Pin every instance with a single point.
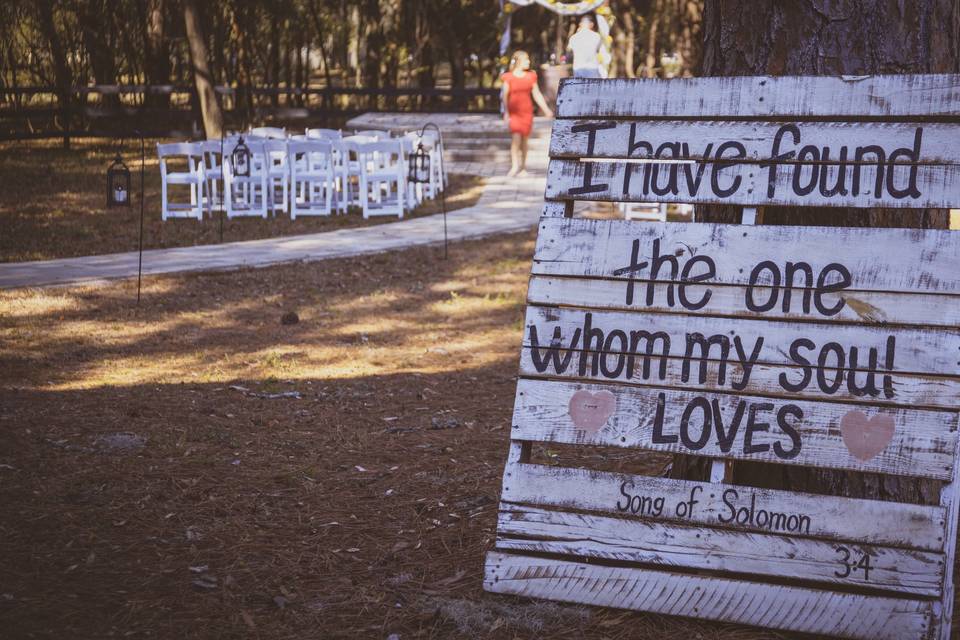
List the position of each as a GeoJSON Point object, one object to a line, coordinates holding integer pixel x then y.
{"type": "Point", "coordinates": [520, 90]}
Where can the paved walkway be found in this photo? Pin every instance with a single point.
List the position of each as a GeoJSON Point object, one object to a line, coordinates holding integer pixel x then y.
{"type": "Point", "coordinates": [507, 205]}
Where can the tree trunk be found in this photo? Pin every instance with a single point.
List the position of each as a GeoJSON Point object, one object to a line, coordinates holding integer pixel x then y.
{"type": "Point", "coordinates": [97, 26]}
{"type": "Point", "coordinates": [156, 53]}
{"type": "Point", "coordinates": [209, 107]}
{"type": "Point", "coordinates": [689, 38]}
{"type": "Point", "coordinates": [653, 22]}
{"type": "Point", "coordinates": [318, 25]}
{"type": "Point", "coordinates": [629, 66]}
{"type": "Point", "coordinates": [60, 69]}
{"type": "Point", "coordinates": [804, 37]}
{"type": "Point", "coordinates": [273, 57]}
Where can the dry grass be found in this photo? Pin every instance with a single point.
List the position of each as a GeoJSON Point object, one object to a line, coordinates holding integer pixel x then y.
{"type": "Point", "coordinates": [152, 488]}
{"type": "Point", "coordinates": [52, 205]}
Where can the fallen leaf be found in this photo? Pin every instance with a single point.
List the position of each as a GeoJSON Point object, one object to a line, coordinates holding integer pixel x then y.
{"type": "Point", "coordinates": [248, 620]}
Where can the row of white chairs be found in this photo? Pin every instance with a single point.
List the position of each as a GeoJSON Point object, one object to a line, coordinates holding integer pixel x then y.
{"type": "Point", "coordinates": [319, 173]}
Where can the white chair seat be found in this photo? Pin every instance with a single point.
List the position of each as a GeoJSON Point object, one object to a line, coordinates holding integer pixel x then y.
{"type": "Point", "coordinates": [184, 178]}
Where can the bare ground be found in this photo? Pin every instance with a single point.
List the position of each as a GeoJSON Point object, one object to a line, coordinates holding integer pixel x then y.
{"type": "Point", "coordinates": [195, 468]}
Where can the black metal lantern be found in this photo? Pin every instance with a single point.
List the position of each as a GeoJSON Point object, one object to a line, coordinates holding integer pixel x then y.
{"type": "Point", "coordinates": [118, 184]}
{"type": "Point", "coordinates": [418, 169]}
{"type": "Point", "coordinates": [240, 159]}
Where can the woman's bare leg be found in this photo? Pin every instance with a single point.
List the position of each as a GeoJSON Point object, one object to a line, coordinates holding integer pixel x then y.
{"type": "Point", "coordinates": [523, 155]}
{"type": "Point", "coordinates": [514, 154]}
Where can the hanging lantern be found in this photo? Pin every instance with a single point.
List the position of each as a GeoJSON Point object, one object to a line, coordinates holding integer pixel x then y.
{"type": "Point", "coordinates": [240, 159]}
{"type": "Point", "coordinates": [418, 165]}
{"type": "Point", "coordinates": [118, 184]}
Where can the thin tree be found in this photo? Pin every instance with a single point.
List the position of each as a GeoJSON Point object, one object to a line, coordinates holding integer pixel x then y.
{"type": "Point", "coordinates": [209, 107]}
{"type": "Point", "coordinates": [61, 71]}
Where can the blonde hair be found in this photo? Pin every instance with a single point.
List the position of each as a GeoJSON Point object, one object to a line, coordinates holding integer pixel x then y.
{"type": "Point", "coordinates": [516, 58]}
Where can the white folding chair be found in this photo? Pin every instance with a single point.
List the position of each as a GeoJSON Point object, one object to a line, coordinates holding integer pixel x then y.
{"type": "Point", "coordinates": [323, 134]}
{"type": "Point", "coordinates": [213, 173]}
{"type": "Point", "coordinates": [278, 174]}
{"type": "Point", "coordinates": [193, 177]}
{"type": "Point", "coordinates": [347, 170]}
{"type": "Point", "coordinates": [652, 211]}
{"type": "Point", "coordinates": [415, 190]}
{"type": "Point", "coordinates": [246, 195]}
{"type": "Point", "coordinates": [312, 178]}
{"type": "Point", "coordinates": [383, 181]}
{"type": "Point", "coordinates": [431, 144]}
{"type": "Point", "coordinates": [270, 133]}
{"type": "Point", "coordinates": [434, 143]}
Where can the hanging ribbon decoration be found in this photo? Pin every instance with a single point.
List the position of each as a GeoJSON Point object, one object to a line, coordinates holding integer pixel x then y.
{"type": "Point", "coordinates": [559, 7]}
{"type": "Point", "coordinates": [562, 8]}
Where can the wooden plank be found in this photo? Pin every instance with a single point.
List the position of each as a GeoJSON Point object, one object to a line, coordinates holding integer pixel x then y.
{"type": "Point", "coordinates": [881, 96]}
{"type": "Point", "coordinates": [763, 605]}
{"type": "Point", "coordinates": [534, 530]}
{"type": "Point", "coordinates": [814, 434]}
{"type": "Point", "coordinates": [911, 391]}
{"type": "Point", "coordinates": [913, 187]}
{"type": "Point", "coordinates": [950, 501]}
{"type": "Point", "coordinates": [880, 349]}
{"type": "Point", "coordinates": [557, 209]}
{"type": "Point", "coordinates": [901, 260]}
{"type": "Point", "coordinates": [862, 307]}
{"type": "Point", "coordinates": [736, 507]}
{"type": "Point", "coordinates": [917, 142]}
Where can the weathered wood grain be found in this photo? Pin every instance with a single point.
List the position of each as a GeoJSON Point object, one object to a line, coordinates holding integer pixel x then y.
{"type": "Point", "coordinates": [939, 143]}
{"type": "Point", "coordinates": [556, 209]}
{"type": "Point", "coordinates": [751, 142]}
{"type": "Point", "coordinates": [913, 392]}
{"type": "Point", "coordinates": [950, 501]}
{"type": "Point", "coordinates": [937, 185]}
{"type": "Point", "coordinates": [916, 351]}
{"type": "Point", "coordinates": [754, 603]}
{"type": "Point", "coordinates": [861, 307]}
{"type": "Point", "coordinates": [921, 445]}
{"type": "Point", "coordinates": [855, 97]}
{"type": "Point", "coordinates": [898, 260]}
{"type": "Point", "coordinates": [534, 530]}
{"type": "Point", "coordinates": [833, 518]}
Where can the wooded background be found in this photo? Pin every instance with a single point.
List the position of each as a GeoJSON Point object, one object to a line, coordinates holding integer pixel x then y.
{"type": "Point", "coordinates": [328, 56]}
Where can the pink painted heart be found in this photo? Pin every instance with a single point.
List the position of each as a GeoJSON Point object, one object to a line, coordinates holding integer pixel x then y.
{"type": "Point", "coordinates": [866, 437]}
{"type": "Point", "coordinates": [590, 411]}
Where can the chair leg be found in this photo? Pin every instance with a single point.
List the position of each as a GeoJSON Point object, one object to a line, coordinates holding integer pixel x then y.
{"type": "Point", "coordinates": [163, 199]}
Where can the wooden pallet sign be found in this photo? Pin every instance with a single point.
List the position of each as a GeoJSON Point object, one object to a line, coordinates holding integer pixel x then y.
{"type": "Point", "coordinates": [826, 348]}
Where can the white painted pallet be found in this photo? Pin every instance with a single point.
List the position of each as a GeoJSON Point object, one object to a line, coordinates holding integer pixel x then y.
{"type": "Point", "coordinates": [726, 341]}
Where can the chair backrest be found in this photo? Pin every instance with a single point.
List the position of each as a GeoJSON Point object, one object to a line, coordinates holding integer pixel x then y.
{"type": "Point", "coordinates": [311, 155]}
{"type": "Point", "coordinates": [384, 154]}
{"type": "Point", "coordinates": [273, 133]}
{"type": "Point", "coordinates": [359, 139]}
{"type": "Point", "coordinates": [827, 348]}
{"type": "Point", "coordinates": [375, 134]}
{"type": "Point", "coordinates": [277, 150]}
{"type": "Point", "coordinates": [324, 134]}
{"type": "Point", "coordinates": [191, 149]}
{"type": "Point", "coordinates": [189, 153]}
{"type": "Point", "coordinates": [258, 156]}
